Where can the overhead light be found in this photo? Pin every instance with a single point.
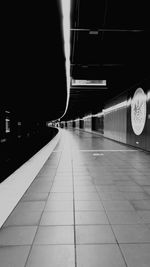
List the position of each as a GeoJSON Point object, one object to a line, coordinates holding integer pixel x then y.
{"type": "Point", "coordinates": [93, 32]}
{"type": "Point", "coordinates": [77, 82]}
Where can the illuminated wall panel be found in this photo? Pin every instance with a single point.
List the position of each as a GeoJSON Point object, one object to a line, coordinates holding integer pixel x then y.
{"type": "Point", "coordinates": [115, 122]}
{"type": "Point", "coordinates": [88, 123]}
{"type": "Point", "coordinates": [128, 120]}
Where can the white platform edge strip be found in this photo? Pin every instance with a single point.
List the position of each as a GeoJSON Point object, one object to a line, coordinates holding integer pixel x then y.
{"type": "Point", "coordinates": [13, 188]}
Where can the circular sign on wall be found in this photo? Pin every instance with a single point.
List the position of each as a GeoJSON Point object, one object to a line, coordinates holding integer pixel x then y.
{"type": "Point", "coordinates": [138, 111]}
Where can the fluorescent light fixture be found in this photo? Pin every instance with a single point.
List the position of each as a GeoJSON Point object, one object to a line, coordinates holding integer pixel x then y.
{"type": "Point", "coordinates": [66, 11]}
{"type": "Point", "coordinates": [100, 114]}
{"type": "Point", "coordinates": [116, 107]}
{"type": "Point", "coordinates": [87, 117]}
{"type": "Point", "coordinates": [77, 82]}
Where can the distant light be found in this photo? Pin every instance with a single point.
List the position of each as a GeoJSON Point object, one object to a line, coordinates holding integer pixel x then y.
{"type": "Point", "coordinates": [76, 82]}
{"type": "Point", "coordinates": [93, 32]}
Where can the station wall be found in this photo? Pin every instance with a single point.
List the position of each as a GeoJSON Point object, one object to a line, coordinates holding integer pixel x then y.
{"type": "Point", "coordinates": [125, 119]}
{"type": "Point", "coordinates": [128, 120]}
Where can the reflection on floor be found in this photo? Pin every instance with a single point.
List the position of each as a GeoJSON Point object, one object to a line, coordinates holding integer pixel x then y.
{"type": "Point", "coordinates": [88, 207]}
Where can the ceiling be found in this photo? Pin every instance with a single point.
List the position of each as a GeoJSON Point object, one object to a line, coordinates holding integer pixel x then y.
{"type": "Point", "coordinates": [109, 40]}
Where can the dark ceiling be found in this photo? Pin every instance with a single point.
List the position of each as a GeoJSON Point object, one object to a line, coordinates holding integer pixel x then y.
{"type": "Point", "coordinates": [109, 40]}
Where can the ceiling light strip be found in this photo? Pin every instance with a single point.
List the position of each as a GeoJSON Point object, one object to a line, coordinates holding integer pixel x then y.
{"type": "Point", "coordinates": [66, 21]}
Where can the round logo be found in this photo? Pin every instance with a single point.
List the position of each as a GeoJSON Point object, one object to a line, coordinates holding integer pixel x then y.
{"type": "Point", "coordinates": [138, 111]}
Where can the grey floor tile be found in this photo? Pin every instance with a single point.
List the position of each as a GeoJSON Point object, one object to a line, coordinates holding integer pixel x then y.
{"type": "Point", "coordinates": [86, 196]}
{"type": "Point", "coordinates": [124, 217]}
{"type": "Point", "coordinates": [52, 256]}
{"type": "Point", "coordinates": [91, 217]}
{"type": "Point", "coordinates": [42, 187]}
{"type": "Point", "coordinates": [136, 196]}
{"type": "Point", "coordinates": [112, 196]}
{"type": "Point", "coordinates": [129, 188]}
{"type": "Point", "coordinates": [147, 189]}
{"type": "Point", "coordinates": [13, 256]}
{"type": "Point", "coordinates": [18, 235]}
{"type": "Point", "coordinates": [68, 183]}
{"type": "Point", "coordinates": [136, 255]}
{"type": "Point", "coordinates": [54, 235]}
{"type": "Point", "coordinates": [23, 218]}
{"type": "Point", "coordinates": [60, 196]}
{"type": "Point", "coordinates": [57, 218]}
{"type": "Point", "coordinates": [64, 189]}
{"type": "Point", "coordinates": [94, 234]}
{"type": "Point", "coordinates": [107, 188]}
{"type": "Point", "coordinates": [82, 183]}
{"type": "Point", "coordinates": [137, 233]}
{"type": "Point", "coordinates": [30, 206]}
{"type": "Point", "coordinates": [88, 205]}
{"type": "Point", "coordinates": [32, 196]}
{"type": "Point", "coordinates": [84, 189]}
{"type": "Point", "coordinates": [145, 215]}
{"type": "Point", "coordinates": [141, 204]}
{"type": "Point", "coordinates": [107, 255]}
{"type": "Point", "coordinates": [125, 183]}
{"type": "Point", "coordinates": [122, 205]}
{"type": "Point", "coordinates": [59, 206]}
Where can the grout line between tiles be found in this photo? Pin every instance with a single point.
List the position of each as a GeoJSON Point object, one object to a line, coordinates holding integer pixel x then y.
{"type": "Point", "coordinates": [41, 217]}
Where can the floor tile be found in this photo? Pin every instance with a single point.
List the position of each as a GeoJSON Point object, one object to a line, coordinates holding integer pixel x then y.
{"type": "Point", "coordinates": [136, 255]}
{"type": "Point", "coordinates": [136, 196]}
{"type": "Point", "coordinates": [137, 233]}
{"type": "Point", "coordinates": [118, 205]}
{"type": "Point", "coordinates": [88, 205]}
{"type": "Point", "coordinates": [57, 218]}
{"type": "Point", "coordinates": [93, 217]}
{"type": "Point", "coordinates": [18, 235]}
{"type": "Point", "coordinates": [54, 235]}
{"type": "Point", "coordinates": [34, 196]}
{"type": "Point", "coordinates": [13, 256]}
{"type": "Point", "coordinates": [51, 256]}
{"type": "Point", "coordinates": [124, 217]}
{"type": "Point", "coordinates": [59, 206]}
{"type": "Point", "coordinates": [94, 234]}
{"type": "Point", "coordinates": [84, 189]}
{"type": "Point", "coordinates": [145, 215]}
{"type": "Point", "coordinates": [64, 189]}
{"type": "Point", "coordinates": [60, 196]}
{"type": "Point", "coordinates": [129, 188]}
{"type": "Point", "coordinates": [24, 218]}
{"type": "Point", "coordinates": [107, 255]}
{"type": "Point", "coordinates": [82, 183]}
{"type": "Point", "coordinates": [86, 196]}
{"type": "Point", "coordinates": [30, 206]}
{"type": "Point", "coordinates": [141, 204]}
{"type": "Point", "coordinates": [112, 196]}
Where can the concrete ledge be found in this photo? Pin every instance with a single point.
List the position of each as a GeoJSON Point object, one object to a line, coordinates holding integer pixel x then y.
{"type": "Point", "coordinates": [13, 188]}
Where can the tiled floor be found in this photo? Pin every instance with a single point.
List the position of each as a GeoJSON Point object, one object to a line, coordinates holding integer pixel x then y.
{"type": "Point", "coordinates": [89, 206]}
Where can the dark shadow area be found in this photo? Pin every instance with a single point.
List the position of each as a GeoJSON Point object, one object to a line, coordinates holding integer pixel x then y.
{"type": "Point", "coordinates": [15, 152]}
